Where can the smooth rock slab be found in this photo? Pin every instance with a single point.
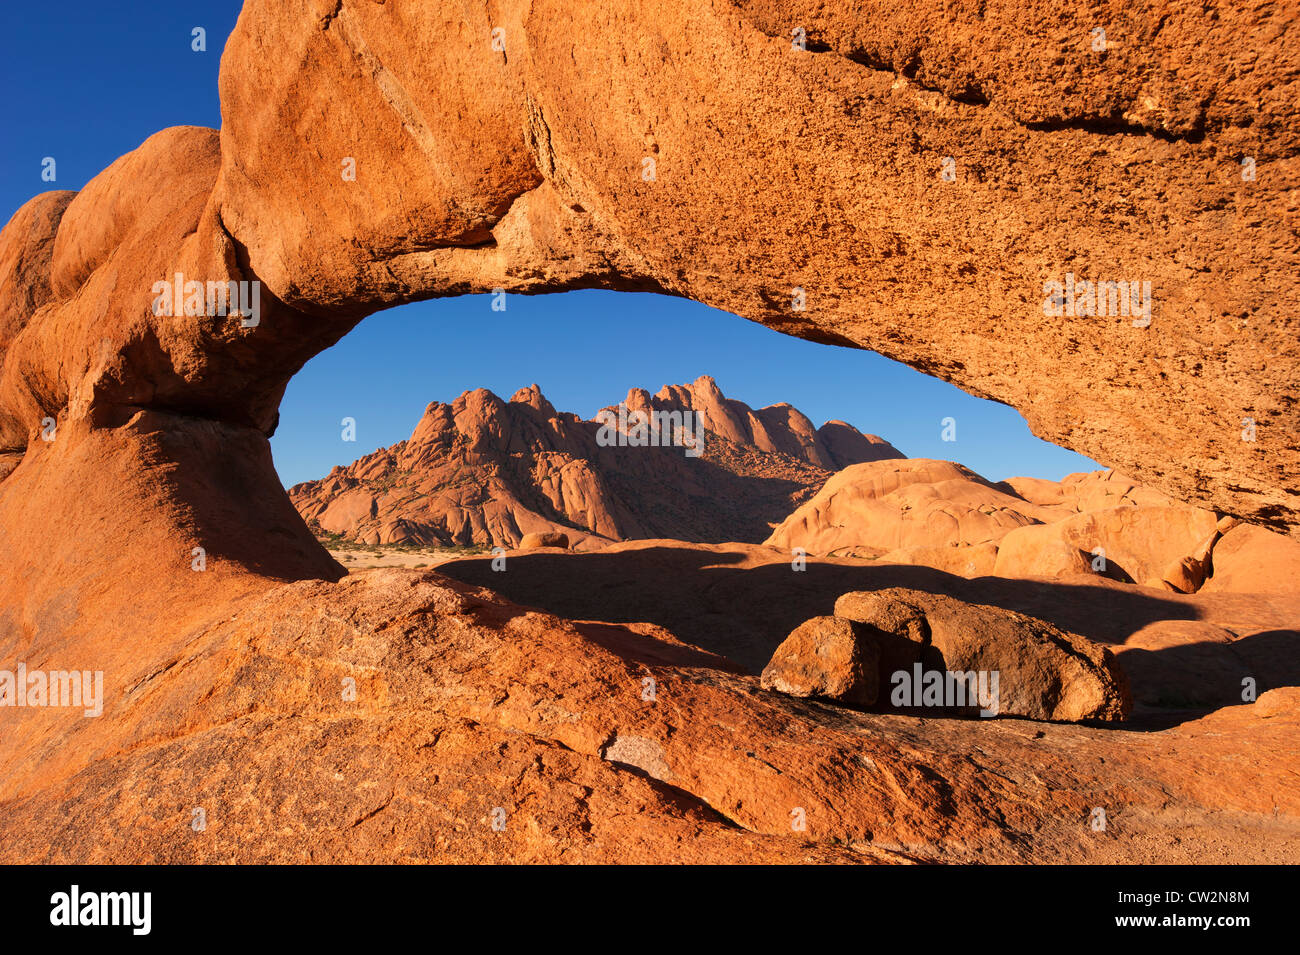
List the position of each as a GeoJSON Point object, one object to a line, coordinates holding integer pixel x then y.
{"type": "Point", "coordinates": [544, 539]}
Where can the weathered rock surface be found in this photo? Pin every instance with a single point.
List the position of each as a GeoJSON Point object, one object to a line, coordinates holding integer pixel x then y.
{"type": "Point", "coordinates": [467, 709]}
{"type": "Point", "coordinates": [535, 541]}
{"type": "Point", "coordinates": [777, 429]}
{"type": "Point", "coordinates": [1043, 673]}
{"type": "Point", "coordinates": [827, 657]}
{"type": "Point", "coordinates": [779, 176]}
{"type": "Point", "coordinates": [742, 601]}
{"type": "Point", "coordinates": [26, 251]}
{"type": "Point", "coordinates": [942, 515]}
{"type": "Point", "coordinates": [1249, 559]}
{"type": "Point", "coordinates": [1137, 544]}
{"type": "Point", "coordinates": [489, 472]}
{"type": "Point", "coordinates": [967, 560]}
{"type": "Point", "coordinates": [1085, 491]}
{"type": "Point", "coordinates": [1043, 554]}
{"type": "Point", "coordinates": [872, 508]}
{"type": "Point", "coordinates": [1188, 663]}
{"type": "Point", "coordinates": [362, 201]}
{"type": "Point", "coordinates": [886, 250]}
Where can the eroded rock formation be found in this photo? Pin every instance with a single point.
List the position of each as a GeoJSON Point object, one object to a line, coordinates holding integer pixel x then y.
{"type": "Point", "coordinates": [940, 514]}
{"type": "Point", "coordinates": [377, 153]}
{"type": "Point", "coordinates": [509, 146]}
{"type": "Point", "coordinates": [489, 472]}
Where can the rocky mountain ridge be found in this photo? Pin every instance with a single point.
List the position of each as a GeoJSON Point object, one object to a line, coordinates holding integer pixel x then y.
{"type": "Point", "coordinates": [484, 471]}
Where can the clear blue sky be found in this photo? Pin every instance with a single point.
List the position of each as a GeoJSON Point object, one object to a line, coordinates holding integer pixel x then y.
{"type": "Point", "coordinates": [86, 82]}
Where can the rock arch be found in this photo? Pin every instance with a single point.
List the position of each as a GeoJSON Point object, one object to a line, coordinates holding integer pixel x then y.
{"type": "Point", "coordinates": [776, 168]}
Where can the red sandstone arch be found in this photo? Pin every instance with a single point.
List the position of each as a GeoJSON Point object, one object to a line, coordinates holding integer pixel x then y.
{"type": "Point", "coordinates": [775, 167]}
{"type": "Point", "coordinates": [521, 168]}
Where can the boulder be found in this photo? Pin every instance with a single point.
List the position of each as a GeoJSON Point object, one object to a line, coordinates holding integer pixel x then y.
{"type": "Point", "coordinates": [964, 560]}
{"type": "Point", "coordinates": [544, 539]}
{"type": "Point", "coordinates": [827, 657]}
{"type": "Point", "coordinates": [1088, 491]}
{"type": "Point", "coordinates": [1184, 575]}
{"type": "Point", "coordinates": [1139, 543]}
{"type": "Point", "coordinates": [1043, 672]}
{"type": "Point", "coordinates": [1250, 559]}
{"type": "Point", "coordinates": [1039, 552]}
{"type": "Point", "coordinates": [26, 250]}
{"type": "Point", "coordinates": [894, 505]}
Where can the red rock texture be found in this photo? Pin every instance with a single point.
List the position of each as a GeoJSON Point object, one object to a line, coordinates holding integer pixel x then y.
{"type": "Point", "coordinates": [1044, 673]}
{"type": "Point", "coordinates": [821, 169]}
{"type": "Point", "coordinates": [883, 506]}
{"type": "Point", "coordinates": [466, 704]}
{"type": "Point", "coordinates": [1249, 559]}
{"type": "Point", "coordinates": [484, 471]}
{"type": "Point", "coordinates": [942, 515]}
{"type": "Point", "coordinates": [1136, 543]}
{"type": "Point", "coordinates": [799, 187]}
{"type": "Point", "coordinates": [535, 541]}
{"type": "Point", "coordinates": [1089, 161]}
{"type": "Point", "coordinates": [742, 601]}
{"type": "Point", "coordinates": [910, 651]}
{"type": "Point", "coordinates": [831, 658]}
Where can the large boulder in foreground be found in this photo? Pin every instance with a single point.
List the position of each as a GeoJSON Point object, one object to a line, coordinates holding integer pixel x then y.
{"type": "Point", "coordinates": [827, 657]}
{"type": "Point", "coordinates": [466, 704]}
{"type": "Point", "coordinates": [1043, 673]}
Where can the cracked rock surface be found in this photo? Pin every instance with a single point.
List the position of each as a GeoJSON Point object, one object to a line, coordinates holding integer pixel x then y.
{"type": "Point", "coordinates": [379, 153]}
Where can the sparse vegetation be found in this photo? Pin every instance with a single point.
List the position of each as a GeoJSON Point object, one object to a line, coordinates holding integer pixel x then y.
{"type": "Point", "coordinates": [337, 543]}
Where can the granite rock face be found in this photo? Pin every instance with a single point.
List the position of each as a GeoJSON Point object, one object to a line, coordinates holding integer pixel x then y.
{"type": "Point", "coordinates": [881, 506]}
{"type": "Point", "coordinates": [931, 187]}
{"type": "Point", "coordinates": [391, 152]}
{"type": "Point", "coordinates": [942, 515]}
{"type": "Point", "coordinates": [487, 472]}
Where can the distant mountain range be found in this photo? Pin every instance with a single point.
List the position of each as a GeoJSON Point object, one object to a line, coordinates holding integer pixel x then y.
{"type": "Point", "coordinates": [485, 471]}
